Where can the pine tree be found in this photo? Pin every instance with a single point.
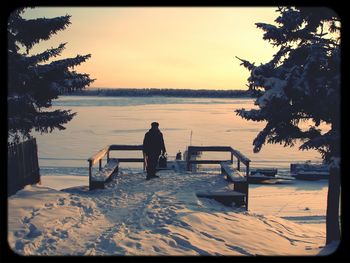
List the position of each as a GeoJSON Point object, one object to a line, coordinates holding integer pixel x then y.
{"type": "Point", "coordinates": [33, 81]}
{"type": "Point", "coordinates": [300, 83]}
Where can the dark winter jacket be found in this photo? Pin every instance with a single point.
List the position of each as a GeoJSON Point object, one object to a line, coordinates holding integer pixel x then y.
{"type": "Point", "coordinates": [153, 143]}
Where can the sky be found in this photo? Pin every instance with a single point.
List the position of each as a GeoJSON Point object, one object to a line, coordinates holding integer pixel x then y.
{"type": "Point", "coordinates": [158, 47]}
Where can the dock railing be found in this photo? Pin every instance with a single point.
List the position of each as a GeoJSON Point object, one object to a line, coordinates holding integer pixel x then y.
{"type": "Point", "coordinates": [192, 150]}
{"type": "Point", "coordinates": [106, 152]}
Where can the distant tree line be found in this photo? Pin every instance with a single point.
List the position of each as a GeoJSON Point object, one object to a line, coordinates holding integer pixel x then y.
{"type": "Point", "coordinates": [127, 92]}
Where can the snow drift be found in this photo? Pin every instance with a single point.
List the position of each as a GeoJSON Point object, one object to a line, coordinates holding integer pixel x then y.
{"type": "Point", "coordinates": [162, 216]}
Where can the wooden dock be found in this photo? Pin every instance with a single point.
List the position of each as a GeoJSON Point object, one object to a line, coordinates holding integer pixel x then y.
{"type": "Point", "coordinates": [240, 192]}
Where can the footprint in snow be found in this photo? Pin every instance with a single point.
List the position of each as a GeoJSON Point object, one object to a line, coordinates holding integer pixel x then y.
{"type": "Point", "coordinates": [60, 233]}
{"type": "Point", "coordinates": [238, 249]}
{"type": "Point", "coordinates": [26, 220]}
{"type": "Point", "coordinates": [35, 212]}
{"type": "Point", "coordinates": [156, 249]}
{"type": "Point", "coordinates": [61, 201]}
{"type": "Point", "coordinates": [162, 231]}
{"type": "Point", "coordinates": [212, 237]}
{"type": "Point", "coordinates": [20, 233]}
{"type": "Point", "coordinates": [49, 205]}
{"type": "Point", "coordinates": [33, 232]}
{"type": "Point", "coordinates": [67, 219]}
{"type": "Point", "coordinates": [50, 240]}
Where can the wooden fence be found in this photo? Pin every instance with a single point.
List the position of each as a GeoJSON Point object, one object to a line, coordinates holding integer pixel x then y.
{"type": "Point", "coordinates": [22, 166]}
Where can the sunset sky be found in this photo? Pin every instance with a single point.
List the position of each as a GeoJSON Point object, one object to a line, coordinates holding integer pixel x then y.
{"type": "Point", "coordinates": [192, 47]}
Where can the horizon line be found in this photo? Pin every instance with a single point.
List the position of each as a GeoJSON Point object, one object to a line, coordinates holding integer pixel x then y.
{"type": "Point", "coordinates": [166, 88]}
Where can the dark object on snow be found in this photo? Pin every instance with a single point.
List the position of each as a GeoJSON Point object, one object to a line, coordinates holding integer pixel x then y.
{"type": "Point", "coordinates": [310, 175]}
{"type": "Point", "coordinates": [226, 198]}
{"type": "Point", "coordinates": [153, 146]}
{"type": "Point", "coordinates": [266, 172]}
{"type": "Point", "coordinates": [152, 177]}
{"type": "Point", "coordinates": [268, 175]}
{"type": "Point", "coordinates": [178, 156]}
{"type": "Point", "coordinates": [162, 162]}
{"type": "Point", "coordinates": [309, 171]}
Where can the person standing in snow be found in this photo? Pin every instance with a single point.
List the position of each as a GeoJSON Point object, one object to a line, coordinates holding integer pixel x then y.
{"type": "Point", "coordinates": [153, 147]}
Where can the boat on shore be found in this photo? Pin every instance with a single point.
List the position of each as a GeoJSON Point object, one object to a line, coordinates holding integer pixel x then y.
{"type": "Point", "coordinates": [265, 172]}
{"type": "Point", "coordinates": [309, 171]}
{"type": "Point", "coordinates": [267, 175]}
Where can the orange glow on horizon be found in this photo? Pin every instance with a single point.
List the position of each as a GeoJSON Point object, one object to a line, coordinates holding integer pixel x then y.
{"type": "Point", "coordinates": [191, 48]}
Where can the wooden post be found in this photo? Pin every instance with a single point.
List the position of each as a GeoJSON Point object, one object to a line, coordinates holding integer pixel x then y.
{"type": "Point", "coordinates": [231, 158]}
{"type": "Point", "coordinates": [144, 161]}
{"type": "Point", "coordinates": [247, 169]}
{"type": "Point", "coordinates": [90, 173]}
{"type": "Point", "coordinates": [188, 160]}
{"type": "Point", "coordinates": [247, 175]}
{"type": "Point", "coordinates": [238, 164]}
{"type": "Point", "coordinates": [100, 164]}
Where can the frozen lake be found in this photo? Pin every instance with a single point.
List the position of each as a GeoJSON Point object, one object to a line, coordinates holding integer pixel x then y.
{"type": "Point", "coordinates": [101, 121]}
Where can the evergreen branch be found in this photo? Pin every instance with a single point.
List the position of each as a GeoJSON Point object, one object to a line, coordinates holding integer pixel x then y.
{"type": "Point", "coordinates": [32, 31]}
{"type": "Point", "coordinates": [48, 121]}
{"type": "Point", "coordinates": [246, 64]}
{"type": "Point", "coordinates": [328, 138]}
{"type": "Point", "coordinates": [253, 115]}
{"type": "Point", "coordinates": [62, 65]}
{"type": "Point", "coordinates": [260, 139]}
{"type": "Point", "coordinates": [46, 55]}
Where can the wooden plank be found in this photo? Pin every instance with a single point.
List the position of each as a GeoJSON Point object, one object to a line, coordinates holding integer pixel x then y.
{"type": "Point", "coordinates": [115, 147]}
{"type": "Point", "coordinates": [107, 170]}
{"type": "Point", "coordinates": [207, 161]}
{"type": "Point", "coordinates": [232, 174]}
{"type": "Point", "coordinates": [209, 148]}
{"type": "Point", "coordinates": [95, 158]}
{"type": "Point", "coordinates": [131, 160]}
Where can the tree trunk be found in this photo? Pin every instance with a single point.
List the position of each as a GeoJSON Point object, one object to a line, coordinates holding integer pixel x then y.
{"type": "Point", "coordinates": [332, 220]}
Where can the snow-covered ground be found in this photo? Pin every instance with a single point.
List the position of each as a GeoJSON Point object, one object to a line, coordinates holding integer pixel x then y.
{"type": "Point", "coordinates": [163, 216]}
